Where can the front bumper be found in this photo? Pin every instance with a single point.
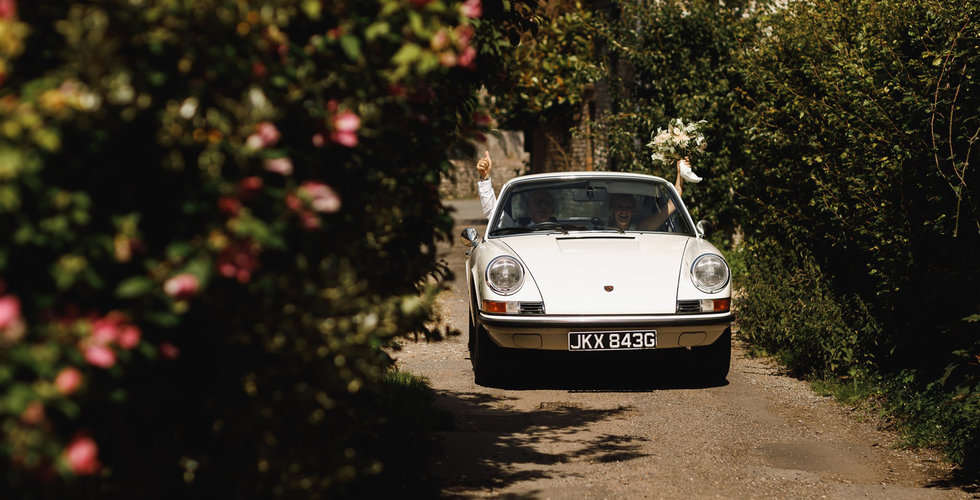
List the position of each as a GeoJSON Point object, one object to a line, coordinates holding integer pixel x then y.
{"type": "Point", "coordinates": [551, 332]}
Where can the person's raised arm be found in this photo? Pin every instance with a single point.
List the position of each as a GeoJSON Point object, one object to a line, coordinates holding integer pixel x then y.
{"type": "Point", "coordinates": [488, 199]}
{"type": "Point", "coordinates": [654, 222]}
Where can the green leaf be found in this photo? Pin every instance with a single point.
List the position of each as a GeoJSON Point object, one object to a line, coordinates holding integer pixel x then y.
{"type": "Point", "coordinates": [134, 287]}
{"type": "Point", "coordinates": [351, 46]}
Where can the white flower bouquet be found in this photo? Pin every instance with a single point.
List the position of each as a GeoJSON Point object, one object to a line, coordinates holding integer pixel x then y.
{"type": "Point", "coordinates": [677, 142]}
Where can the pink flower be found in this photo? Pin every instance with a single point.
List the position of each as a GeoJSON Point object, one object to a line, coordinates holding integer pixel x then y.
{"type": "Point", "coordinates": [9, 311]}
{"type": "Point", "coordinates": [266, 134]}
{"type": "Point", "coordinates": [238, 261]}
{"type": "Point", "coordinates": [309, 220]}
{"type": "Point", "coordinates": [100, 355]}
{"type": "Point", "coordinates": [106, 330]}
{"type": "Point", "coordinates": [82, 455]}
{"type": "Point", "coordinates": [8, 9]}
{"type": "Point", "coordinates": [440, 40]}
{"type": "Point", "coordinates": [345, 125]}
{"type": "Point", "coordinates": [348, 139]}
{"type": "Point", "coordinates": [181, 287]}
{"type": "Point", "coordinates": [12, 326]}
{"type": "Point", "coordinates": [169, 351]}
{"type": "Point", "coordinates": [471, 8]}
{"type": "Point", "coordinates": [447, 59]}
{"type": "Point", "coordinates": [323, 198]}
{"type": "Point", "coordinates": [468, 58]}
{"type": "Point", "coordinates": [33, 414]}
{"type": "Point", "coordinates": [130, 337]}
{"type": "Point", "coordinates": [282, 165]}
{"type": "Point", "coordinates": [68, 380]}
{"type": "Point", "coordinates": [464, 34]}
{"type": "Point", "coordinates": [346, 121]}
{"type": "Point", "coordinates": [318, 140]}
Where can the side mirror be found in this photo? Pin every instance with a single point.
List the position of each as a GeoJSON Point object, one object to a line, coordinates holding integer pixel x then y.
{"type": "Point", "coordinates": [704, 228]}
{"type": "Point", "coordinates": [470, 237]}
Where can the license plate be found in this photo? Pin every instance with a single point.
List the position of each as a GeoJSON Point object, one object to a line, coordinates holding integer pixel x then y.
{"type": "Point", "coordinates": [611, 341]}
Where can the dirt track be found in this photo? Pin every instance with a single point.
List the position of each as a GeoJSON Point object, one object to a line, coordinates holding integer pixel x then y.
{"type": "Point", "coordinates": [597, 429]}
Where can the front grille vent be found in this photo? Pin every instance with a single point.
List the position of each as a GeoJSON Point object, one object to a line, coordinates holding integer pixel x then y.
{"type": "Point", "coordinates": [532, 307]}
{"type": "Point", "coordinates": [688, 306]}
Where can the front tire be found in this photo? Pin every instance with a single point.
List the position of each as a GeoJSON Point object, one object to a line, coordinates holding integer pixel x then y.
{"type": "Point", "coordinates": [713, 362]}
{"type": "Point", "coordinates": [486, 357]}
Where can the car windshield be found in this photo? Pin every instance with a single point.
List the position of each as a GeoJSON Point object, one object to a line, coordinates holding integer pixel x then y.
{"type": "Point", "coordinates": [596, 204]}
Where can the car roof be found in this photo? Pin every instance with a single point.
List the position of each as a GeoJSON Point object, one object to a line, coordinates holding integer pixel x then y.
{"type": "Point", "coordinates": [581, 175]}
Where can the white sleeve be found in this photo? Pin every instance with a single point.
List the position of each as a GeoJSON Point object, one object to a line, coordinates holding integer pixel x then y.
{"type": "Point", "coordinates": [487, 197]}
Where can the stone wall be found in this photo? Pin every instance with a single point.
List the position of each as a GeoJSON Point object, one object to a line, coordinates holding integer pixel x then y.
{"type": "Point", "coordinates": [509, 161]}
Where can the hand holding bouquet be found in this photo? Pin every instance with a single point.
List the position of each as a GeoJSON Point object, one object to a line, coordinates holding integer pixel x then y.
{"type": "Point", "coordinates": [679, 141]}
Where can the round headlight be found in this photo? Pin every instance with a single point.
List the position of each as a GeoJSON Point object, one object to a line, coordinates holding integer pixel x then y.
{"type": "Point", "coordinates": [505, 275]}
{"type": "Point", "coordinates": [709, 273]}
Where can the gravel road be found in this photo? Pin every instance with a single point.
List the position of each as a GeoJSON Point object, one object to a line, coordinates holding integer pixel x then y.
{"type": "Point", "coordinates": [595, 428]}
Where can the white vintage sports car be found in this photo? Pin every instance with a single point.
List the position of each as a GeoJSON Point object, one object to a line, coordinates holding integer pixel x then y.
{"type": "Point", "coordinates": [595, 261]}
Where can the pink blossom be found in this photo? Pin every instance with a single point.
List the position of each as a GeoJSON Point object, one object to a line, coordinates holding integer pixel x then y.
{"type": "Point", "coordinates": [238, 261]}
{"type": "Point", "coordinates": [282, 165]}
{"type": "Point", "coordinates": [8, 9]}
{"type": "Point", "coordinates": [309, 220]}
{"type": "Point", "coordinates": [106, 330]}
{"type": "Point", "coordinates": [464, 34]}
{"type": "Point", "coordinates": [12, 326]}
{"type": "Point", "coordinates": [33, 414]}
{"type": "Point", "coordinates": [268, 132]}
{"type": "Point", "coordinates": [182, 286]}
{"type": "Point", "coordinates": [467, 58]}
{"type": "Point", "coordinates": [130, 337]}
{"type": "Point", "coordinates": [447, 59]}
{"type": "Point", "coordinates": [440, 40]}
{"type": "Point", "coordinates": [345, 125]}
{"type": "Point", "coordinates": [346, 121]}
{"type": "Point", "coordinates": [82, 455]}
{"type": "Point", "coordinates": [471, 8]}
{"type": "Point", "coordinates": [323, 198]}
{"type": "Point", "coordinates": [169, 351]}
{"type": "Point", "coordinates": [348, 139]}
{"type": "Point", "coordinates": [68, 380]}
{"type": "Point", "coordinates": [9, 311]}
{"type": "Point", "coordinates": [318, 140]}
{"type": "Point", "coordinates": [100, 355]}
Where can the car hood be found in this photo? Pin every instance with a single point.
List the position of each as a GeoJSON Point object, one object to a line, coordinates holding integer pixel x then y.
{"type": "Point", "coordinates": [573, 273]}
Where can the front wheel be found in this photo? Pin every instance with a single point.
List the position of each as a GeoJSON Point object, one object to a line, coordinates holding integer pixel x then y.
{"type": "Point", "coordinates": [486, 356]}
{"type": "Point", "coordinates": [712, 362]}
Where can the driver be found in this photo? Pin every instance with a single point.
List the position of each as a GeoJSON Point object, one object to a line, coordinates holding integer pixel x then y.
{"type": "Point", "coordinates": [541, 205]}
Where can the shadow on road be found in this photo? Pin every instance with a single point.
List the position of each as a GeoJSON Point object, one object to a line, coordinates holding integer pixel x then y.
{"type": "Point", "coordinates": [494, 445]}
{"type": "Point", "coordinates": [606, 372]}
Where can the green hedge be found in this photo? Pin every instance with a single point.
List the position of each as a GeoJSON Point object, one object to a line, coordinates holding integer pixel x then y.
{"type": "Point", "coordinates": [863, 119]}
{"type": "Point", "coordinates": [214, 215]}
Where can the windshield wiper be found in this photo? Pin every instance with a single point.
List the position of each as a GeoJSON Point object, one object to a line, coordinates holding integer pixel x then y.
{"type": "Point", "coordinates": [510, 230]}
{"type": "Point", "coordinates": [541, 226]}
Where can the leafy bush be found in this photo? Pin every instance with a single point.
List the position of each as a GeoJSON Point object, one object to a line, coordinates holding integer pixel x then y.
{"type": "Point", "coordinates": [785, 306]}
{"type": "Point", "coordinates": [214, 216]}
{"type": "Point", "coordinates": [863, 119]}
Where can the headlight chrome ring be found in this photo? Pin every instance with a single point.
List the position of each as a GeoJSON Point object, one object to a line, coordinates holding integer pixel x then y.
{"type": "Point", "coordinates": [710, 273]}
{"type": "Point", "coordinates": [505, 275]}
